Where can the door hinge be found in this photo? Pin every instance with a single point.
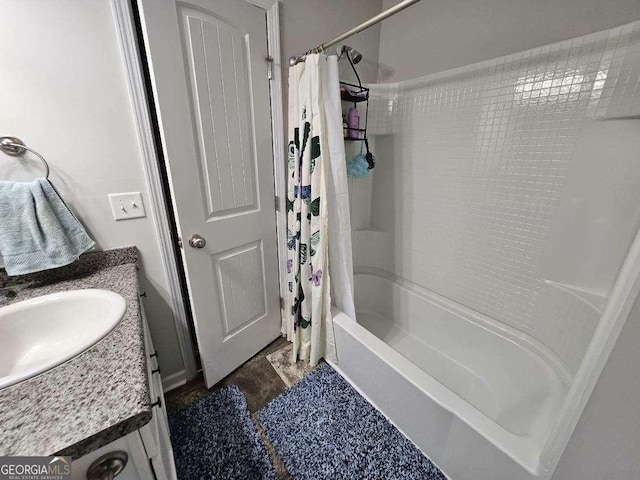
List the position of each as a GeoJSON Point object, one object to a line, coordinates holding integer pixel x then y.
{"type": "Point", "coordinates": [281, 303]}
{"type": "Point", "coordinates": [277, 203]}
{"type": "Point", "coordinates": [269, 60]}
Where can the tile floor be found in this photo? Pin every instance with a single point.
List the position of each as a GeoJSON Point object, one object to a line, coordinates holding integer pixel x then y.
{"type": "Point", "coordinates": [256, 378]}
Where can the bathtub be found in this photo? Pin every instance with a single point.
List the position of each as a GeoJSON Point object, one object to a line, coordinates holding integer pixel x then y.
{"type": "Point", "coordinates": [478, 398]}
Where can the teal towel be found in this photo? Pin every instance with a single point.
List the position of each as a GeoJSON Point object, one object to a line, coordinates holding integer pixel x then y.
{"type": "Point", "coordinates": [38, 231]}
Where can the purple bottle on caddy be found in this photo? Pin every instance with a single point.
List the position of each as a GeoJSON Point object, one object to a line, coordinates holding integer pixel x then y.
{"type": "Point", "coordinates": [353, 122]}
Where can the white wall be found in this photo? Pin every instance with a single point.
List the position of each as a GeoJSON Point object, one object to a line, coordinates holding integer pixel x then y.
{"type": "Point", "coordinates": [308, 23]}
{"type": "Point", "coordinates": [63, 92]}
{"type": "Point", "coordinates": [433, 36]}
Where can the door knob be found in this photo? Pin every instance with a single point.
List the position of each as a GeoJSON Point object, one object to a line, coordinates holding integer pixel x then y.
{"type": "Point", "coordinates": [197, 241]}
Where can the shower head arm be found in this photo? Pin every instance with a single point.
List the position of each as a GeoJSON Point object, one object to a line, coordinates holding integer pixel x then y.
{"type": "Point", "coordinates": [347, 51]}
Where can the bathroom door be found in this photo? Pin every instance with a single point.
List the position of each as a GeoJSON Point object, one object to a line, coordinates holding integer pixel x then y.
{"type": "Point", "coordinates": [209, 72]}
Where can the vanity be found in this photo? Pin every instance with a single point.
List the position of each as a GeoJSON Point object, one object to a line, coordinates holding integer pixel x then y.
{"type": "Point", "coordinates": [104, 407]}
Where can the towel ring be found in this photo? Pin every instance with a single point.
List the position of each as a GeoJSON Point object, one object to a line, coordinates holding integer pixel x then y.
{"type": "Point", "coordinates": [15, 147]}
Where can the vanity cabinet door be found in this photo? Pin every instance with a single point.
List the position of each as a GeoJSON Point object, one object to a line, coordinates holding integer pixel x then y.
{"type": "Point", "coordinates": [163, 463]}
{"type": "Point", "coordinates": [155, 434]}
{"type": "Point", "coordinates": [137, 466]}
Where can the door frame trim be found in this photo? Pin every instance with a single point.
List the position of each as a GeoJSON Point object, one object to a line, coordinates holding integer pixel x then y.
{"type": "Point", "coordinates": [272, 8]}
{"type": "Point", "coordinates": [132, 64]}
{"type": "Point", "coordinates": [127, 39]}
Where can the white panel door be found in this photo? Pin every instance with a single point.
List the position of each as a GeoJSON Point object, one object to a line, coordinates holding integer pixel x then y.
{"type": "Point", "coordinates": [209, 73]}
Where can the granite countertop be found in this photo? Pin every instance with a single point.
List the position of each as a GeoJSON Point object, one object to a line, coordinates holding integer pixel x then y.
{"type": "Point", "coordinates": [96, 397]}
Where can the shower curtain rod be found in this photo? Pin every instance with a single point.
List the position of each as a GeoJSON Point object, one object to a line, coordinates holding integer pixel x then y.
{"type": "Point", "coordinates": [363, 26]}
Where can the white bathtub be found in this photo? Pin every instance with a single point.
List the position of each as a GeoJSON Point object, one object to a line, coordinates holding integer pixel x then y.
{"type": "Point", "coordinates": [477, 398]}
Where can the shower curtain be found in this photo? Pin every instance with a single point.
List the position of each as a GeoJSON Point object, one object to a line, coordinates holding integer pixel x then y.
{"type": "Point", "coordinates": [318, 223]}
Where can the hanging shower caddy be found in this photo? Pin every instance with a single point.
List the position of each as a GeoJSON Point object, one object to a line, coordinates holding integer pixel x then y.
{"type": "Point", "coordinates": [356, 95]}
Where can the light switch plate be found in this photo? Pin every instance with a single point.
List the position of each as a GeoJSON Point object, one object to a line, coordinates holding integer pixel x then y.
{"type": "Point", "coordinates": [126, 206]}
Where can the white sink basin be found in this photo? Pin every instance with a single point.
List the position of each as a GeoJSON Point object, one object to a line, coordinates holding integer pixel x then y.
{"type": "Point", "coordinates": [41, 333]}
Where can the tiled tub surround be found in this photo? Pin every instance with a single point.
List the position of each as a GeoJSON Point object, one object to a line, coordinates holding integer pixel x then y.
{"type": "Point", "coordinates": [486, 243]}
{"type": "Point", "coordinates": [96, 397]}
{"type": "Point", "coordinates": [476, 180]}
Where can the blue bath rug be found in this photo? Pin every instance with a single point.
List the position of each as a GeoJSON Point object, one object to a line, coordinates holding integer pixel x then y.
{"type": "Point", "coordinates": [323, 429]}
{"type": "Point", "coordinates": [214, 438]}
